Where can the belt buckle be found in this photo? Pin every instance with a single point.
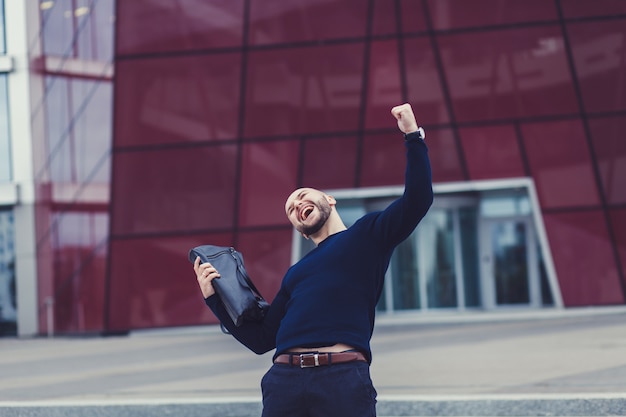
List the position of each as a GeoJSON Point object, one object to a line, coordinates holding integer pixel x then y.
{"type": "Point", "coordinates": [305, 360]}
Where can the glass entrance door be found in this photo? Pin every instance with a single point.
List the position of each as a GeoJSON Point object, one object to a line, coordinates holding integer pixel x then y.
{"type": "Point", "coordinates": [509, 266]}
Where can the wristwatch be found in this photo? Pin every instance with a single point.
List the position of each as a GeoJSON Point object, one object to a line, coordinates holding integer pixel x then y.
{"type": "Point", "coordinates": [418, 134]}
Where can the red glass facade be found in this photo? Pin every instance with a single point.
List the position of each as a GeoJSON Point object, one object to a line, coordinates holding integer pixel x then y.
{"type": "Point", "coordinates": [221, 108]}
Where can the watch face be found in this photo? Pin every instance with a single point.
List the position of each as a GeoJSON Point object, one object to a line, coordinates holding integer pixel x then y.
{"type": "Point", "coordinates": [421, 132]}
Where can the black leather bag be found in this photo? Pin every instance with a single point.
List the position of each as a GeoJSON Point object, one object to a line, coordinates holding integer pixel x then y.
{"type": "Point", "coordinates": [234, 287]}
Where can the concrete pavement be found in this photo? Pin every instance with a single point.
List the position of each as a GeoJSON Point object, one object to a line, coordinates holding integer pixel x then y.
{"type": "Point", "coordinates": [549, 362]}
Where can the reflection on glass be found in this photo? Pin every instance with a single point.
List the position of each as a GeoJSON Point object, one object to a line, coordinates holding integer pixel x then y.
{"type": "Point", "coordinates": [3, 48]}
{"type": "Point", "coordinates": [510, 262]}
{"type": "Point", "coordinates": [79, 129]}
{"type": "Point", "coordinates": [406, 294]}
{"type": "Point", "coordinates": [468, 220]}
{"type": "Point", "coordinates": [8, 305]}
{"type": "Point", "coordinates": [5, 150]}
{"type": "Point", "coordinates": [78, 29]}
{"type": "Point", "coordinates": [437, 246]}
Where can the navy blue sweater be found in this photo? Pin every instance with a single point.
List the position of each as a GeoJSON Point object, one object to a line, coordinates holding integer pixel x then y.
{"type": "Point", "coordinates": [330, 295]}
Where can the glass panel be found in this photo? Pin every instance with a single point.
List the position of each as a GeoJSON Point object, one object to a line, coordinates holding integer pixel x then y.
{"type": "Point", "coordinates": [577, 8]}
{"type": "Point", "coordinates": [384, 90]}
{"type": "Point", "coordinates": [329, 163]}
{"type": "Point", "coordinates": [618, 222]}
{"type": "Point", "coordinates": [424, 83]}
{"type": "Point", "coordinates": [175, 100]}
{"type": "Point", "coordinates": [509, 248]}
{"type": "Point", "coordinates": [267, 256]}
{"type": "Point", "coordinates": [268, 174]}
{"type": "Point", "coordinates": [411, 14]}
{"type": "Point", "coordinates": [78, 28]}
{"type": "Point", "coordinates": [279, 21]}
{"type": "Point", "coordinates": [599, 49]}
{"type": "Point", "coordinates": [444, 156]}
{"type": "Point", "coordinates": [384, 18]}
{"type": "Point", "coordinates": [79, 129]}
{"type": "Point", "coordinates": [405, 276]}
{"type": "Point", "coordinates": [491, 152]}
{"type": "Point", "coordinates": [153, 26]}
{"type": "Point", "coordinates": [59, 26]}
{"type": "Point", "coordinates": [509, 205]}
{"type": "Point", "coordinates": [558, 154]}
{"type": "Point", "coordinates": [583, 237]}
{"type": "Point", "coordinates": [384, 160]}
{"type": "Point", "coordinates": [95, 21]}
{"type": "Point", "coordinates": [468, 222]}
{"type": "Point", "coordinates": [511, 73]}
{"type": "Point", "coordinates": [5, 146]}
{"type": "Point", "coordinates": [156, 294]}
{"type": "Point", "coordinates": [436, 237]}
{"type": "Point", "coordinates": [610, 149]}
{"type": "Point", "coordinates": [174, 190]}
{"type": "Point", "coordinates": [80, 254]}
{"type": "Point", "coordinates": [3, 47]}
{"type": "Point", "coordinates": [452, 14]}
{"type": "Point", "coordinates": [304, 90]}
{"type": "Point", "coordinates": [8, 299]}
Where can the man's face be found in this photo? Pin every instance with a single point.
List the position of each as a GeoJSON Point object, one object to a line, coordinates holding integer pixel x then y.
{"type": "Point", "coordinates": [308, 209]}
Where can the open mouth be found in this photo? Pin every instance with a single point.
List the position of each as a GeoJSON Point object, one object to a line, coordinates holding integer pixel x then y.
{"type": "Point", "coordinates": [304, 214]}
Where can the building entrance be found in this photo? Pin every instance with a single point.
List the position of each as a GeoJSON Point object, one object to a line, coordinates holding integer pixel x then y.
{"type": "Point", "coordinates": [482, 248]}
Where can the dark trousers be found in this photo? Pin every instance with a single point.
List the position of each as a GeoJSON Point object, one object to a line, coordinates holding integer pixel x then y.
{"type": "Point", "coordinates": [342, 390]}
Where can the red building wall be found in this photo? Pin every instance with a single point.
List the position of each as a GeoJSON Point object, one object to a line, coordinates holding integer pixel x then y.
{"type": "Point", "coordinates": [222, 108]}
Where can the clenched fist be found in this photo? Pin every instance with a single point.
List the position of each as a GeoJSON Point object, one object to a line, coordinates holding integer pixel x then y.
{"type": "Point", "coordinates": [405, 117]}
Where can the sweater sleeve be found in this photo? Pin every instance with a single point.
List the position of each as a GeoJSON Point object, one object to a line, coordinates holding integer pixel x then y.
{"type": "Point", "coordinates": [398, 221]}
{"type": "Point", "coordinates": [259, 337]}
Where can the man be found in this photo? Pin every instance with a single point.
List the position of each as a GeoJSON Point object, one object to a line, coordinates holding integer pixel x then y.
{"type": "Point", "coordinates": [322, 318]}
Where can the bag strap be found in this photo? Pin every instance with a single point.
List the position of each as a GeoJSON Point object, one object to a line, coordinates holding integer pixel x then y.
{"type": "Point", "coordinates": [244, 273]}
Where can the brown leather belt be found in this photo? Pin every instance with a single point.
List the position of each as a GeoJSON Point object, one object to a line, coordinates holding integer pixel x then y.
{"type": "Point", "coordinates": [311, 360]}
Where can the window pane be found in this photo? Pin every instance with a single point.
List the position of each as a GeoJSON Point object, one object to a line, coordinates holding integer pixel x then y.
{"type": "Point", "coordinates": [80, 254]}
{"type": "Point", "coordinates": [149, 26]}
{"type": "Point", "coordinates": [174, 100]}
{"type": "Point", "coordinates": [618, 220]}
{"type": "Point", "coordinates": [599, 50]}
{"type": "Point", "coordinates": [578, 8]}
{"type": "Point", "coordinates": [423, 82]}
{"type": "Point", "coordinates": [383, 161]}
{"type": "Point", "coordinates": [468, 221]}
{"type": "Point", "coordinates": [384, 90]}
{"type": "Point", "coordinates": [3, 47]}
{"type": "Point", "coordinates": [279, 21]}
{"type": "Point", "coordinates": [156, 294]}
{"type": "Point", "coordinates": [267, 256]}
{"type": "Point", "coordinates": [8, 298]}
{"type": "Point", "coordinates": [174, 190]}
{"type": "Point", "coordinates": [78, 129]}
{"type": "Point", "coordinates": [491, 152]}
{"type": "Point", "coordinates": [558, 155]}
{"type": "Point", "coordinates": [404, 276]}
{"type": "Point", "coordinates": [508, 74]}
{"type": "Point", "coordinates": [444, 156]}
{"type": "Point", "coordinates": [593, 278]}
{"type": "Point", "coordinates": [453, 14]}
{"type": "Point", "coordinates": [5, 147]}
{"type": "Point", "coordinates": [304, 90]}
{"type": "Point", "coordinates": [269, 170]}
{"type": "Point", "coordinates": [411, 14]}
{"type": "Point", "coordinates": [329, 163]}
{"type": "Point", "coordinates": [436, 233]}
{"type": "Point", "coordinates": [610, 148]}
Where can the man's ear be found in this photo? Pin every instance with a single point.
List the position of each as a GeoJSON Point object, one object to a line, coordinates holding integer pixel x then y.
{"type": "Point", "coordinates": [305, 236]}
{"type": "Point", "coordinates": [331, 200]}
